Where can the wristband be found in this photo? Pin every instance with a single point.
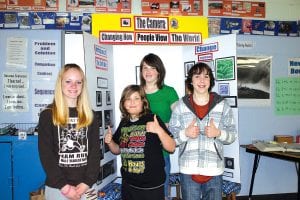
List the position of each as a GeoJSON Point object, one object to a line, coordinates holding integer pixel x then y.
{"type": "Point", "coordinates": [67, 191]}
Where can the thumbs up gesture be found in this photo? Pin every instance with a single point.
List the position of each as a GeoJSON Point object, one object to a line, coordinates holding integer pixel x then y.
{"type": "Point", "coordinates": [153, 126]}
{"type": "Point", "coordinates": [108, 136]}
{"type": "Point", "coordinates": [211, 130]}
{"type": "Point", "coordinates": [193, 130]}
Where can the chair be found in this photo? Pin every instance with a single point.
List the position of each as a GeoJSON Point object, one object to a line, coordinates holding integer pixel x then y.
{"type": "Point", "coordinates": [110, 191]}
{"type": "Point", "coordinates": [230, 189]}
{"type": "Point", "coordinates": [174, 181]}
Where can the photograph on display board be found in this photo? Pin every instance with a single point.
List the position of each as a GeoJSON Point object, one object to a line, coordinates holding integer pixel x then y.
{"type": "Point", "coordinates": [187, 66]}
{"type": "Point", "coordinates": [210, 64]}
{"type": "Point", "coordinates": [108, 118]}
{"type": "Point", "coordinates": [232, 100]}
{"type": "Point", "coordinates": [102, 82]}
{"type": "Point", "coordinates": [125, 22]}
{"type": "Point", "coordinates": [224, 89]}
{"type": "Point", "coordinates": [287, 28]}
{"type": "Point", "coordinates": [108, 169]}
{"type": "Point", "coordinates": [225, 69]}
{"type": "Point", "coordinates": [86, 21]}
{"type": "Point", "coordinates": [214, 25]}
{"type": "Point", "coordinates": [100, 176]}
{"type": "Point", "coordinates": [85, 2]}
{"type": "Point", "coordinates": [98, 98]}
{"type": "Point", "coordinates": [10, 18]}
{"type": "Point", "coordinates": [101, 148]}
{"type": "Point", "coordinates": [101, 3]}
{"type": "Point", "coordinates": [73, 3]}
{"type": "Point", "coordinates": [98, 115]}
{"type": "Point", "coordinates": [137, 75]}
{"type": "Point", "coordinates": [254, 77]}
{"type": "Point", "coordinates": [164, 7]}
{"type": "Point", "coordinates": [229, 162]}
{"type": "Point", "coordinates": [231, 25]}
{"type": "Point", "coordinates": [246, 26]}
{"type": "Point", "coordinates": [106, 148]}
{"type": "Point", "coordinates": [51, 4]}
{"type": "Point", "coordinates": [108, 98]}
{"type": "Point", "coordinates": [24, 20]}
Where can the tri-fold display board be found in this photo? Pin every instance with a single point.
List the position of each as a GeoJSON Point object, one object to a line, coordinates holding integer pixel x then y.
{"type": "Point", "coordinates": [113, 67]}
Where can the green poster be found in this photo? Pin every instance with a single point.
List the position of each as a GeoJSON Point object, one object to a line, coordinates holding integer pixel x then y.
{"type": "Point", "coordinates": [287, 97]}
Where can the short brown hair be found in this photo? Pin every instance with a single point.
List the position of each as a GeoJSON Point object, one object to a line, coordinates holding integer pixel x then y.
{"type": "Point", "coordinates": [198, 68]}
{"type": "Point", "coordinates": [129, 90]}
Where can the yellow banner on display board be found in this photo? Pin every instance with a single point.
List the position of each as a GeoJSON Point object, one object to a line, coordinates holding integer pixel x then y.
{"type": "Point", "coordinates": [140, 29]}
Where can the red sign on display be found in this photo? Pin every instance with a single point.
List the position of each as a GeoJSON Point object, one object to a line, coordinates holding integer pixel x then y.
{"type": "Point", "coordinates": [165, 7]}
{"type": "Point", "coordinates": [27, 5]}
{"type": "Point", "coordinates": [236, 8]}
{"type": "Point", "coordinates": [99, 6]}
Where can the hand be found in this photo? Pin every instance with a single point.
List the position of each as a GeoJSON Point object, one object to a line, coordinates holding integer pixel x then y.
{"type": "Point", "coordinates": [193, 130]}
{"type": "Point", "coordinates": [72, 194]}
{"type": "Point", "coordinates": [153, 126]}
{"type": "Point", "coordinates": [211, 130]}
{"type": "Point", "coordinates": [81, 188]}
{"type": "Point", "coordinates": [108, 136]}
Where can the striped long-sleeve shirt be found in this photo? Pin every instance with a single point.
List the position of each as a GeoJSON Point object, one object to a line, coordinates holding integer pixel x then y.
{"type": "Point", "coordinates": [202, 155]}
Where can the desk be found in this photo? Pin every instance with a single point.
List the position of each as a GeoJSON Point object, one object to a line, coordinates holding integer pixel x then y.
{"type": "Point", "coordinates": [290, 156]}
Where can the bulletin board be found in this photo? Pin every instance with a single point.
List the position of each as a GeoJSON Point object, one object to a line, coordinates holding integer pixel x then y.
{"type": "Point", "coordinates": [30, 61]}
{"type": "Point", "coordinates": [283, 71]}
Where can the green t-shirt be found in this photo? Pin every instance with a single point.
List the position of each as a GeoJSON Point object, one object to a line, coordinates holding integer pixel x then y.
{"type": "Point", "coordinates": [161, 101]}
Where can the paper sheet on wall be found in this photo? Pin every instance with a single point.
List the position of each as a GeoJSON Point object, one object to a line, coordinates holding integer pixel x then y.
{"type": "Point", "coordinates": [16, 54]}
{"type": "Point", "coordinates": [287, 99]}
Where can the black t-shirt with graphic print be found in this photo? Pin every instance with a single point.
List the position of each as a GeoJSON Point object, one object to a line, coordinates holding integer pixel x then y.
{"type": "Point", "coordinates": [69, 156]}
{"type": "Point", "coordinates": [141, 153]}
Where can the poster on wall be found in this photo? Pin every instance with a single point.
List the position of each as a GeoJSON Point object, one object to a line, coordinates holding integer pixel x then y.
{"type": "Point", "coordinates": [16, 54]}
{"type": "Point", "coordinates": [38, 5]}
{"type": "Point", "coordinates": [15, 102]}
{"type": "Point", "coordinates": [113, 6]}
{"type": "Point", "coordinates": [164, 7]}
{"type": "Point", "coordinates": [287, 98]}
{"type": "Point", "coordinates": [15, 92]}
{"type": "Point", "coordinates": [294, 67]}
{"type": "Point", "coordinates": [45, 60]}
{"type": "Point", "coordinates": [254, 78]}
{"type": "Point", "coordinates": [30, 64]}
{"type": "Point", "coordinates": [237, 8]}
{"type": "Point", "coordinates": [99, 6]}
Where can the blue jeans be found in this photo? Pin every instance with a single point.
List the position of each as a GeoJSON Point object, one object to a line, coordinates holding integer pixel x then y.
{"type": "Point", "coordinates": [167, 171]}
{"type": "Point", "coordinates": [211, 190]}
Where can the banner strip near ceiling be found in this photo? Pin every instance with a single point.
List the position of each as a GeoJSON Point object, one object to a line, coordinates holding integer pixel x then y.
{"type": "Point", "coordinates": [154, 30]}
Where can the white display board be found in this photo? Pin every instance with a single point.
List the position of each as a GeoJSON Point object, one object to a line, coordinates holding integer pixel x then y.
{"type": "Point", "coordinates": [100, 81]}
{"type": "Point", "coordinates": [175, 58]}
{"type": "Point", "coordinates": [124, 60]}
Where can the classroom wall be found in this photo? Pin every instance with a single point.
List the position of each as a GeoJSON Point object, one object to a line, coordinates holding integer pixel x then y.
{"type": "Point", "coordinates": [261, 123]}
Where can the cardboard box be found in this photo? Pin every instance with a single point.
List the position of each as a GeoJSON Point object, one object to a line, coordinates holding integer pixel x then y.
{"type": "Point", "coordinates": [284, 138]}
